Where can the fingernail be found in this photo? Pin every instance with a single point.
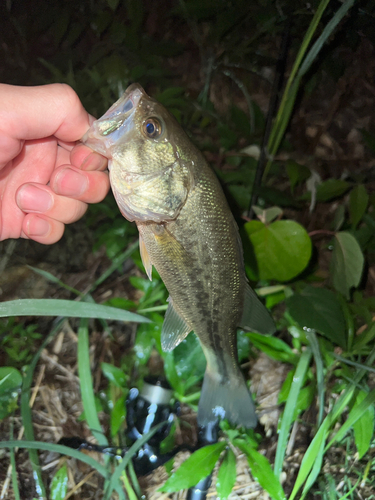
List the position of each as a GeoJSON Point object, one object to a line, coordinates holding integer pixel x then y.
{"type": "Point", "coordinates": [38, 227]}
{"type": "Point", "coordinates": [94, 161]}
{"type": "Point", "coordinates": [32, 199]}
{"type": "Point", "coordinates": [70, 183]}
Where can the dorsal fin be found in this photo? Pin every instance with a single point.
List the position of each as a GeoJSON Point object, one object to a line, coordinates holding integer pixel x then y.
{"type": "Point", "coordinates": [174, 329]}
{"type": "Point", "coordinates": [255, 316]}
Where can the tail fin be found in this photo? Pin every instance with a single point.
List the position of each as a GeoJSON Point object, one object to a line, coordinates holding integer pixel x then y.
{"type": "Point", "coordinates": [228, 399]}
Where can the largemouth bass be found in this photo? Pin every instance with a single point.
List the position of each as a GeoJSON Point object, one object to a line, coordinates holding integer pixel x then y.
{"type": "Point", "coordinates": [187, 231]}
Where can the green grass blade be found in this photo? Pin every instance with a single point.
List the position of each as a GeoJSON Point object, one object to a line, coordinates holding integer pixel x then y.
{"type": "Point", "coordinates": [16, 491]}
{"type": "Point", "coordinates": [311, 455]}
{"type": "Point", "coordinates": [66, 308]}
{"type": "Point", "coordinates": [134, 480]}
{"type": "Point", "coordinates": [326, 33]}
{"type": "Point", "coordinates": [153, 309]}
{"type": "Point", "coordinates": [317, 465]}
{"type": "Point", "coordinates": [313, 451]}
{"type": "Point", "coordinates": [129, 490]}
{"type": "Point", "coordinates": [57, 448]}
{"type": "Point", "coordinates": [85, 380]}
{"type": "Point", "coordinates": [50, 277]}
{"type": "Point", "coordinates": [353, 363]}
{"type": "Point", "coordinates": [274, 139]}
{"type": "Point", "coordinates": [27, 416]}
{"type": "Point", "coordinates": [289, 411]}
{"type": "Point", "coordinates": [117, 261]}
{"type": "Point", "coordinates": [306, 42]}
{"type": "Point", "coordinates": [125, 461]}
{"type": "Point", "coordinates": [300, 67]}
{"type": "Point", "coordinates": [314, 344]}
{"type": "Point", "coordinates": [353, 417]}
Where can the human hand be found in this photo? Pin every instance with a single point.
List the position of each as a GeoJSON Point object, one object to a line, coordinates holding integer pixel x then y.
{"type": "Point", "coordinates": [46, 179]}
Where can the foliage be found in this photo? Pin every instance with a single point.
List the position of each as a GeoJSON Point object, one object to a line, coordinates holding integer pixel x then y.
{"type": "Point", "coordinates": [17, 340]}
{"type": "Point", "coordinates": [325, 313]}
{"type": "Point", "coordinates": [10, 384]}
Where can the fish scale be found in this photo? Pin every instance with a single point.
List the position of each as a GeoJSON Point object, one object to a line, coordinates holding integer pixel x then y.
{"type": "Point", "coordinates": [187, 231]}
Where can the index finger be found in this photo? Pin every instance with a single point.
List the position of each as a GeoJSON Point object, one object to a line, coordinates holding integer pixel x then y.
{"type": "Point", "coordinates": [42, 111]}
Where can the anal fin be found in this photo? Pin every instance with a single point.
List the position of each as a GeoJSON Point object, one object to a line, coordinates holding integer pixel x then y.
{"type": "Point", "coordinates": [174, 329]}
{"type": "Point", "coordinates": [146, 261]}
{"type": "Point", "coordinates": [255, 316]}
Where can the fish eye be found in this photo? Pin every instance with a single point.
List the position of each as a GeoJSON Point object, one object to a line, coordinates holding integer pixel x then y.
{"type": "Point", "coordinates": [152, 128]}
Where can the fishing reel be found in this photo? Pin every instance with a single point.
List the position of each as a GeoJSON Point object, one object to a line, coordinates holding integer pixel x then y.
{"type": "Point", "coordinates": [145, 409]}
{"type": "Point", "coordinates": [148, 408]}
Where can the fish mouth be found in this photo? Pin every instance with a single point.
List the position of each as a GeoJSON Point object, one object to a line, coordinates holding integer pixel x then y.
{"type": "Point", "coordinates": [115, 124]}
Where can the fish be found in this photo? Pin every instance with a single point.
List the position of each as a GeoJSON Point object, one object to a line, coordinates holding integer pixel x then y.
{"type": "Point", "coordinates": [163, 183]}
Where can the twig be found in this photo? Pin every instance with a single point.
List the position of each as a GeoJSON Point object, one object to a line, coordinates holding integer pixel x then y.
{"type": "Point", "coordinates": [322, 232]}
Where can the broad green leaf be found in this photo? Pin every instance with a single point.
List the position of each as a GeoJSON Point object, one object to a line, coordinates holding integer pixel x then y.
{"type": "Point", "coordinates": [319, 309]}
{"type": "Point", "coordinates": [10, 379]}
{"type": "Point", "coordinates": [68, 308]}
{"type": "Point", "coordinates": [363, 427]}
{"type": "Point", "coordinates": [148, 337]}
{"type": "Point", "coordinates": [267, 215]}
{"type": "Point", "coordinates": [358, 202]}
{"type": "Point", "coordinates": [171, 373]}
{"type": "Point", "coordinates": [143, 345]}
{"type": "Point", "coordinates": [114, 374]}
{"type": "Point", "coordinates": [332, 188]}
{"type": "Point", "coordinates": [282, 249]}
{"type": "Point", "coordinates": [243, 345]}
{"type": "Point", "coordinates": [262, 472]}
{"type": "Point", "coordinates": [304, 400]}
{"type": "Point", "coordinates": [346, 263]}
{"type": "Point", "coordinates": [241, 194]}
{"type": "Point", "coordinates": [285, 388]}
{"type": "Point", "coordinates": [273, 347]}
{"type": "Point", "coordinates": [368, 139]}
{"type": "Point", "coordinates": [226, 476]}
{"type": "Point", "coordinates": [297, 173]}
{"type": "Point", "coordinates": [10, 383]}
{"type": "Point", "coordinates": [118, 415]}
{"type": "Point", "coordinates": [189, 358]}
{"type": "Point", "coordinates": [275, 196]}
{"type": "Point", "coordinates": [196, 467]}
{"type": "Point", "coordinates": [339, 218]}
{"type": "Point", "coordinates": [59, 485]}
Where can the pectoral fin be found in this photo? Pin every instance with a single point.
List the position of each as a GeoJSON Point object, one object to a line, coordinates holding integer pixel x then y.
{"type": "Point", "coordinates": [174, 329]}
{"type": "Point", "coordinates": [255, 316]}
{"type": "Point", "coordinates": [146, 261]}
